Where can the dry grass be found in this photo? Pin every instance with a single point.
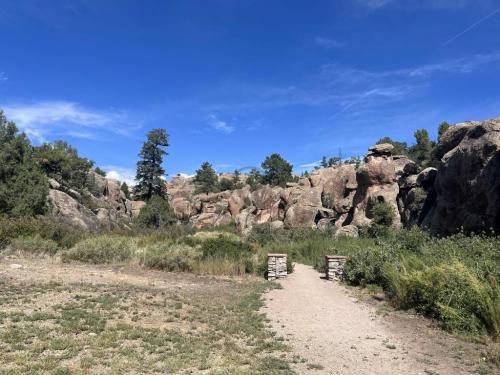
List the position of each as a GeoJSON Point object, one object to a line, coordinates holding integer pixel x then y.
{"type": "Point", "coordinates": [101, 321]}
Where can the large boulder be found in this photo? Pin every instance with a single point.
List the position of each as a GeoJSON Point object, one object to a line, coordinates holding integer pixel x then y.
{"type": "Point", "coordinates": [135, 207]}
{"type": "Point", "coordinates": [70, 210]}
{"type": "Point", "coordinates": [382, 149]}
{"type": "Point", "coordinates": [304, 207]}
{"type": "Point", "coordinates": [338, 186]}
{"type": "Point", "coordinates": [182, 207]}
{"type": "Point", "coordinates": [266, 197]}
{"type": "Point", "coordinates": [377, 183]}
{"type": "Point", "coordinates": [467, 184]}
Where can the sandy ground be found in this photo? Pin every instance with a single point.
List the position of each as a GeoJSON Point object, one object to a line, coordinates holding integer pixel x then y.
{"type": "Point", "coordinates": [339, 332]}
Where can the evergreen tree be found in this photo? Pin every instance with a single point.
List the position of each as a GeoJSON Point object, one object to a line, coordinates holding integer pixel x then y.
{"type": "Point", "coordinates": [422, 151]}
{"type": "Point", "coordinates": [149, 168]}
{"type": "Point", "coordinates": [277, 171]}
{"type": "Point", "coordinates": [254, 179]}
{"type": "Point", "coordinates": [124, 188]}
{"type": "Point", "coordinates": [226, 184]}
{"type": "Point", "coordinates": [156, 214]}
{"type": "Point", "coordinates": [23, 186]}
{"type": "Point", "coordinates": [100, 172]}
{"type": "Point", "coordinates": [61, 162]}
{"type": "Point", "coordinates": [443, 127]}
{"type": "Point", "coordinates": [237, 180]}
{"type": "Point", "coordinates": [206, 180]}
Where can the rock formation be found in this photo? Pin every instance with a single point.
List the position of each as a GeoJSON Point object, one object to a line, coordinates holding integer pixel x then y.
{"type": "Point", "coordinates": [467, 183]}
{"type": "Point", "coordinates": [464, 192]}
{"type": "Point", "coordinates": [106, 206]}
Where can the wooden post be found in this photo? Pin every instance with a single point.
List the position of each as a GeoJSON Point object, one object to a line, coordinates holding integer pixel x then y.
{"type": "Point", "coordinates": [276, 266]}
{"type": "Point", "coordinates": [334, 266]}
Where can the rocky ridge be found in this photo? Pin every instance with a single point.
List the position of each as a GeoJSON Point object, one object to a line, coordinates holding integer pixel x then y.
{"type": "Point", "coordinates": [464, 192]}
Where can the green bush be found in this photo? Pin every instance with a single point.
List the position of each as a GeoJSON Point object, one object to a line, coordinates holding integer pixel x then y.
{"type": "Point", "coordinates": [156, 214]}
{"type": "Point", "coordinates": [34, 245]}
{"type": "Point", "coordinates": [102, 249]}
{"type": "Point", "coordinates": [65, 235]}
{"type": "Point", "coordinates": [450, 293]}
{"type": "Point", "coordinates": [171, 257]}
{"type": "Point", "coordinates": [366, 266]}
{"type": "Point", "coordinates": [383, 214]}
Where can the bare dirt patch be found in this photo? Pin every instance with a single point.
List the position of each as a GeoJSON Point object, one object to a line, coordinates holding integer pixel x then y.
{"type": "Point", "coordinates": [338, 331]}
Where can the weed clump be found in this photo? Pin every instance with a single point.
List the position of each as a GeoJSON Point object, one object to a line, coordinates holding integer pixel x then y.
{"type": "Point", "coordinates": [35, 245]}
{"type": "Point", "coordinates": [102, 249]}
{"type": "Point", "coordinates": [169, 256]}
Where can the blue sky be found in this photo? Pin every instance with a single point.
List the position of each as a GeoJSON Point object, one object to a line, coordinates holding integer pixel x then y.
{"type": "Point", "coordinates": [234, 81]}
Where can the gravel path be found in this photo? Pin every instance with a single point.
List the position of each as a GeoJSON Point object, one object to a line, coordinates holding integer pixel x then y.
{"type": "Point", "coordinates": [338, 334]}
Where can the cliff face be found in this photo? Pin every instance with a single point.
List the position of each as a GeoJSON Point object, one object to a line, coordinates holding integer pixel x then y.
{"type": "Point", "coordinates": [467, 184]}
{"type": "Point", "coordinates": [463, 192]}
{"type": "Point", "coordinates": [106, 207]}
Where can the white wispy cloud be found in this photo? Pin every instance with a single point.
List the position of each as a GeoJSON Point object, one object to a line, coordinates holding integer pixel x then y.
{"type": "Point", "coordinates": [343, 89]}
{"type": "Point", "coordinates": [220, 126]}
{"type": "Point", "coordinates": [310, 165]}
{"type": "Point", "coordinates": [122, 174]}
{"type": "Point", "coordinates": [327, 43]}
{"type": "Point", "coordinates": [41, 119]}
{"type": "Point", "coordinates": [186, 175]}
{"type": "Point", "coordinates": [3, 77]}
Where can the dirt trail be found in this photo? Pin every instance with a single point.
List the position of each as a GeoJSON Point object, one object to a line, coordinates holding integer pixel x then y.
{"type": "Point", "coordinates": [339, 334]}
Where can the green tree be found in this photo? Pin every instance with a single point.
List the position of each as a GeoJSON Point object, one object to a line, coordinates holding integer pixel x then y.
{"type": "Point", "coordinates": [100, 172]}
{"type": "Point", "coordinates": [157, 213]}
{"type": "Point", "coordinates": [443, 127]}
{"type": "Point", "coordinates": [400, 148]}
{"type": "Point", "coordinates": [277, 171]}
{"type": "Point", "coordinates": [206, 180]}
{"type": "Point", "coordinates": [149, 167]}
{"type": "Point", "coordinates": [23, 186]}
{"type": "Point", "coordinates": [422, 151]}
{"type": "Point", "coordinates": [226, 184]}
{"type": "Point", "coordinates": [254, 179]}
{"type": "Point", "coordinates": [61, 162]}
{"type": "Point", "coordinates": [356, 160]}
{"type": "Point", "coordinates": [237, 180]}
{"type": "Point", "coordinates": [126, 191]}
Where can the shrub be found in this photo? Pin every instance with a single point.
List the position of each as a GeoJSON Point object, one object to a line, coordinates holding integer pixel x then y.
{"type": "Point", "coordinates": [171, 257]}
{"type": "Point", "coordinates": [223, 247]}
{"type": "Point", "coordinates": [366, 266]}
{"type": "Point", "coordinates": [205, 235]}
{"type": "Point", "coordinates": [65, 235]}
{"type": "Point", "coordinates": [156, 214]}
{"type": "Point", "coordinates": [102, 249]}
{"type": "Point", "coordinates": [383, 214]}
{"type": "Point", "coordinates": [34, 245]}
{"type": "Point", "coordinates": [450, 293]}
{"type": "Point", "coordinates": [327, 200]}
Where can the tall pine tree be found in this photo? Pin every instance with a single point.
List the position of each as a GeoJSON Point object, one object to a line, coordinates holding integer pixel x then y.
{"type": "Point", "coordinates": [149, 168]}
{"type": "Point", "coordinates": [206, 179]}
